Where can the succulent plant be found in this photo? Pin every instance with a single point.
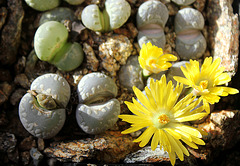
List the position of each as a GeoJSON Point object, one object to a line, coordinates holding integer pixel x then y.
{"type": "Point", "coordinates": [183, 2]}
{"type": "Point", "coordinates": [190, 43]}
{"type": "Point", "coordinates": [43, 5]}
{"type": "Point", "coordinates": [42, 109]}
{"type": "Point", "coordinates": [74, 2]}
{"type": "Point", "coordinates": [50, 44]}
{"type": "Point", "coordinates": [151, 19]}
{"type": "Point", "coordinates": [98, 109]}
{"type": "Point", "coordinates": [114, 15]}
{"type": "Point", "coordinates": [59, 14]}
{"type": "Point", "coordinates": [130, 74]}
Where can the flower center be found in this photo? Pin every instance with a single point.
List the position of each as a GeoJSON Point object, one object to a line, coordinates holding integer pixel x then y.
{"type": "Point", "coordinates": [152, 62]}
{"type": "Point", "coordinates": [163, 119]}
{"type": "Point", "coordinates": [204, 84]}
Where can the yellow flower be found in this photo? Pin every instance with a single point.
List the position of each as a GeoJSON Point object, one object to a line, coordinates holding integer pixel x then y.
{"type": "Point", "coordinates": [162, 114]}
{"type": "Point", "coordinates": [205, 81]}
{"type": "Point", "coordinates": [152, 59]}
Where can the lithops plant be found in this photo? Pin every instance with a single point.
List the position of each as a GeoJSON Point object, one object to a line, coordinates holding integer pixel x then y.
{"type": "Point", "coordinates": [43, 5]}
{"type": "Point", "coordinates": [190, 43]}
{"type": "Point", "coordinates": [114, 15]}
{"type": "Point", "coordinates": [130, 74]}
{"type": "Point", "coordinates": [183, 2]}
{"type": "Point", "coordinates": [74, 2]}
{"type": "Point", "coordinates": [151, 19]}
{"type": "Point", "coordinates": [42, 109]}
{"type": "Point", "coordinates": [98, 109]}
{"type": "Point", "coordinates": [50, 44]}
{"type": "Point", "coordinates": [59, 14]}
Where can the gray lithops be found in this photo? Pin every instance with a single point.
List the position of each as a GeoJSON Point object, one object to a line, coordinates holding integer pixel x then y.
{"type": "Point", "coordinates": [183, 2]}
{"type": "Point", "coordinates": [114, 15]}
{"type": "Point", "coordinates": [151, 19]}
{"type": "Point", "coordinates": [130, 74]}
{"type": "Point", "coordinates": [98, 110]}
{"type": "Point", "coordinates": [42, 112]}
{"type": "Point", "coordinates": [190, 43]}
{"type": "Point", "coordinates": [59, 14]}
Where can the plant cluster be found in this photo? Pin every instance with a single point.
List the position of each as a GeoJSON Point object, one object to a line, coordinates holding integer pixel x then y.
{"type": "Point", "coordinates": [163, 109]}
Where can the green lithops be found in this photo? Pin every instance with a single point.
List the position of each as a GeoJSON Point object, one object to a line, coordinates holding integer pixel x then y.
{"type": "Point", "coordinates": [43, 5]}
{"type": "Point", "coordinates": [74, 2]}
{"type": "Point", "coordinates": [50, 44]}
{"type": "Point", "coordinates": [59, 14]}
{"type": "Point", "coordinates": [114, 15]}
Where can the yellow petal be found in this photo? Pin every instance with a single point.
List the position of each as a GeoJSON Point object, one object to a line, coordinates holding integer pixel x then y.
{"type": "Point", "coordinates": [198, 141]}
{"type": "Point", "coordinates": [134, 119]}
{"type": "Point", "coordinates": [175, 147]}
{"type": "Point", "coordinates": [185, 135]}
{"type": "Point", "coordinates": [132, 129]}
{"type": "Point", "coordinates": [143, 99]}
{"type": "Point", "coordinates": [155, 140]}
{"type": "Point", "coordinates": [230, 90]}
{"type": "Point", "coordinates": [164, 141]}
{"type": "Point", "coordinates": [188, 129]}
{"type": "Point", "coordinates": [184, 150]}
{"type": "Point", "coordinates": [134, 109]}
{"type": "Point", "coordinates": [223, 79]}
{"type": "Point", "coordinates": [150, 98]}
{"type": "Point", "coordinates": [145, 137]}
{"type": "Point", "coordinates": [171, 131]}
{"type": "Point", "coordinates": [182, 80]}
{"type": "Point", "coordinates": [172, 157]}
{"type": "Point", "coordinates": [193, 117]}
{"type": "Point", "coordinates": [191, 144]}
{"type": "Point", "coordinates": [141, 107]}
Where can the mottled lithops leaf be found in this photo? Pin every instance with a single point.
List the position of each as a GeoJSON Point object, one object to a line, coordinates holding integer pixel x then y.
{"type": "Point", "coordinates": [118, 11]}
{"type": "Point", "coordinates": [91, 17]}
{"type": "Point", "coordinates": [152, 12]}
{"type": "Point", "coordinates": [98, 110]}
{"type": "Point", "coordinates": [114, 15]}
{"type": "Point", "coordinates": [54, 85]}
{"type": "Point", "coordinates": [183, 2]}
{"type": "Point", "coordinates": [188, 19]}
{"type": "Point", "coordinates": [69, 58]}
{"type": "Point", "coordinates": [59, 14]}
{"type": "Point", "coordinates": [49, 39]}
{"type": "Point", "coordinates": [190, 46]}
{"type": "Point", "coordinates": [50, 44]}
{"type": "Point", "coordinates": [96, 86]}
{"type": "Point", "coordinates": [131, 74]}
{"type": "Point", "coordinates": [42, 112]}
{"type": "Point", "coordinates": [151, 18]}
{"type": "Point", "coordinates": [43, 5]}
{"type": "Point", "coordinates": [97, 118]}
